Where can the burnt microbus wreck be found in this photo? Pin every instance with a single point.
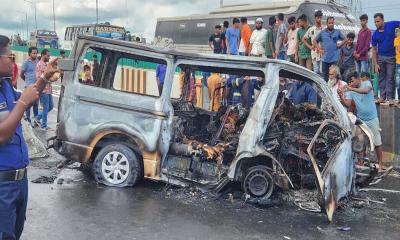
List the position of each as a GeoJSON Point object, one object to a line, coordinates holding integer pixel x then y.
{"type": "Point", "coordinates": [126, 129]}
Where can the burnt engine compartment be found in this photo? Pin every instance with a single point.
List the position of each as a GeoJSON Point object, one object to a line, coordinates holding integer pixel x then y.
{"type": "Point", "coordinates": [204, 143]}
{"type": "Point", "coordinates": [289, 134]}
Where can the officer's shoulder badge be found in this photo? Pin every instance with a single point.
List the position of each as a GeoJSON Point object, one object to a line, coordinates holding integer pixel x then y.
{"type": "Point", "coordinates": [3, 105]}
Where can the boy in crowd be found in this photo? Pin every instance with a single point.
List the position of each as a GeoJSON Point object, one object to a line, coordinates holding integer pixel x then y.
{"type": "Point", "coordinates": [312, 33]}
{"type": "Point", "coordinates": [304, 51]}
{"type": "Point", "coordinates": [245, 34]}
{"type": "Point", "coordinates": [280, 38]}
{"type": "Point", "coordinates": [291, 41]}
{"type": "Point", "coordinates": [363, 43]}
{"type": "Point", "coordinates": [233, 38]}
{"type": "Point", "coordinates": [270, 41]}
{"type": "Point", "coordinates": [225, 27]}
{"type": "Point", "coordinates": [348, 64]}
{"type": "Point", "coordinates": [216, 39]}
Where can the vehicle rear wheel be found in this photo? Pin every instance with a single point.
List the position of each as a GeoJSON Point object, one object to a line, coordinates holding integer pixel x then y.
{"type": "Point", "coordinates": [258, 182]}
{"type": "Point", "coordinates": [117, 165]}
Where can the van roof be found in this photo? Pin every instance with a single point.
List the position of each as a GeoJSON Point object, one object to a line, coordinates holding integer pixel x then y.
{"type": "Point", "coordinates": [257, 9]}
{"type": "Point", "coordinates": [198, 56]}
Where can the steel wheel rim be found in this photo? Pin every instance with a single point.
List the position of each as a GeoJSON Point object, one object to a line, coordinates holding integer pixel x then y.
{"type": "Point", "coordinates": [115, 167]}
{"type": "Point", "coordinates": [259, 183]}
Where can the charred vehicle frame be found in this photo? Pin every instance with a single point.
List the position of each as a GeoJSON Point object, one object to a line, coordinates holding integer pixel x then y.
{"type": "Point", "coordinates": [129, 136]}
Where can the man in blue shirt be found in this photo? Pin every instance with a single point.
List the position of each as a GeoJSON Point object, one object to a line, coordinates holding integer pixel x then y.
{"type": "Point", "coordinates": [384, 56]}
{"type": "Point", "coordinates": [361, 96]}
{"type": "Point", "coordinates": [232, 38]}
{"type": "Point", "coordinates": [303, 92]}
{"type": "Point", "coordinates": [160, 75]}
{"type": "Point", "coordinates": [13, 149]}
{"type": "Point", "coordinates": [28, 74]}
{"type": "Point", "coordinates": [328, 38]}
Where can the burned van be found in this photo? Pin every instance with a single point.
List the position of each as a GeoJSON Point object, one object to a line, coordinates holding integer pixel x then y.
{"type": "Point", "coordinates": [145, 113]}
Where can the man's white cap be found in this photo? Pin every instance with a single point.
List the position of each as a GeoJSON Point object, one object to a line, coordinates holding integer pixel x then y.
{"type": "Point", "coordinates": [259, 20]}
{"type": "Point", "coordinates": [85, 61]}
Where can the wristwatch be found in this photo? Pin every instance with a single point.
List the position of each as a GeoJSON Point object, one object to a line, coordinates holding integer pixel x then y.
{"type": "Point", "coordinates": [44, 78]}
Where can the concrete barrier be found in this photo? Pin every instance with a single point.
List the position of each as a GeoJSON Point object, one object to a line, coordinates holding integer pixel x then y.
{"type": "Point", "coordinates": [390, 124]}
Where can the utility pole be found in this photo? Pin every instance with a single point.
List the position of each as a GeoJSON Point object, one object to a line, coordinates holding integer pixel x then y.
{"type": "Point", "coordinates": [34, 5]}
{"type": "Point", "coordinates": [221, 3]}
{"type": "Point", "coordinates": [97, 11]}
{"type": "Point", "coordinates": [54, 18]}
{"type": "Point", "coordinates": [26, 22]}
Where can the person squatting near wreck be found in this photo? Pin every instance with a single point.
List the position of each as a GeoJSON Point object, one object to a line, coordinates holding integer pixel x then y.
{"type": "Point", "coordinates": [319, 47]}
{"type": "Point", "coordinates": [13, 149]}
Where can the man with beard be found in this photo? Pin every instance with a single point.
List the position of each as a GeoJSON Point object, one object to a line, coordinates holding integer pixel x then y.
{"type": "Point", "coordinates": [335, 83]}
{"type": "Point", "coordinates": [329, 49]}
{"type": "Point", "coordinates": [257, 39]}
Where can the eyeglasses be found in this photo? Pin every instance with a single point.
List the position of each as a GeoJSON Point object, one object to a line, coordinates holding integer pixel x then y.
{"type": "Point", "coordinates": [11, 57]}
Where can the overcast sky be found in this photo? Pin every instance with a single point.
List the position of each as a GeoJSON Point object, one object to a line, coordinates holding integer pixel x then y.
{"type": "Point", "coordinates": [138, 16]}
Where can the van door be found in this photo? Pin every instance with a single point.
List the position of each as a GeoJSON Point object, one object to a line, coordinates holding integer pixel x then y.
{"type": "Point", "coordinates": [118, 95]}
{"type": "Point", "coordinates": [336, 179]}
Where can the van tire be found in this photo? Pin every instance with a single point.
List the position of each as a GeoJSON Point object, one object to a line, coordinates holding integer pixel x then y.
{"type": "Point", "coordinates": [258, 183]}
{"type": "Point", "coordinates": [117, 165]}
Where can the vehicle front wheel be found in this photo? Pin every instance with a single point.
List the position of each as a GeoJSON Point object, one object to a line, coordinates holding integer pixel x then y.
{"type": "Point", "coordinates": [258, 183]}
{"type": "Point", "coordinates": [117, 165]}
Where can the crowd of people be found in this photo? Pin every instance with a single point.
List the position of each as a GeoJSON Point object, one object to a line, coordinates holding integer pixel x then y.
{"type": "Point", "coordinates": [343, 63]}
{"type": "Point", "coordinates": [319, 47]}
{"type": "Point", "coordinates": [32, 69]}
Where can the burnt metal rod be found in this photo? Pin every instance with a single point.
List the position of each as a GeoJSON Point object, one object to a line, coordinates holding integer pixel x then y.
{"type": "Point", "coordinates": [214, 140]}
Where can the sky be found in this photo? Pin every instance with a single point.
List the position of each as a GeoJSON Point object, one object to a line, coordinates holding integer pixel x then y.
{"type": "Point", "coordinates": [137, 16]}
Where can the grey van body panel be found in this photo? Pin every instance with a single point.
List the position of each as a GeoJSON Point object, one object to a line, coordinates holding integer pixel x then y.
{"type": "Point", "coordinates": [87, 112]}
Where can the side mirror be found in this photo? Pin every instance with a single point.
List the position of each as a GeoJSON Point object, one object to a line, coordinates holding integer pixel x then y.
{"type": "Point", "coordinates": [66, 64]}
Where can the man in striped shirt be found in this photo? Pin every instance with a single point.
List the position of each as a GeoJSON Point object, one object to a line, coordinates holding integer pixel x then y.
{"type": "Point", "coordinates": [46, 98]}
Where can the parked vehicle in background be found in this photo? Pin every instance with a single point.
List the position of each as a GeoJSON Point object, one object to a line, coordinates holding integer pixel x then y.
{"type": "Point", "coordinates": [127, 130]}
{"type": "Point", "coordinates": [44, 39]}
{"type": "Point", "coordinates": [190, 33]}
{"type": "Point", "coordinates": [105, 30]}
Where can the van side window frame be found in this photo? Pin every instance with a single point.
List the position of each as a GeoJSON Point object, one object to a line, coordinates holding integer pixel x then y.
{"type": "Point", "coordinates": [106, 73]}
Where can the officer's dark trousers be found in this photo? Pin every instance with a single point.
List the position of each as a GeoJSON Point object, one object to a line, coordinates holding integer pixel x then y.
{"type": "Point", "coordinates": [13, 200]}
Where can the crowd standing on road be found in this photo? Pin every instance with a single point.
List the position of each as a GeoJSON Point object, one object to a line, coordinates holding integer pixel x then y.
{"type": "Point", "coordinates": [342, 62]}
{"type": "Point", "coordinates": [319, 47]}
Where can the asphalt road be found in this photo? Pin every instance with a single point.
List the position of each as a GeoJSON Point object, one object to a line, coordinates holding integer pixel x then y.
{"type": "Point", "coordinates": [75, 207]}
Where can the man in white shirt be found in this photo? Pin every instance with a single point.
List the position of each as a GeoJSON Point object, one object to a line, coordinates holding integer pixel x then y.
{"type": "Point", "coordinates": [291, 41]}
{"type": "Point", "coordinates": [312, 33]}
{"type": "Point", "coordinates": [334, 81]}
{"type": "Point", "coordinates": [257, 39]}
